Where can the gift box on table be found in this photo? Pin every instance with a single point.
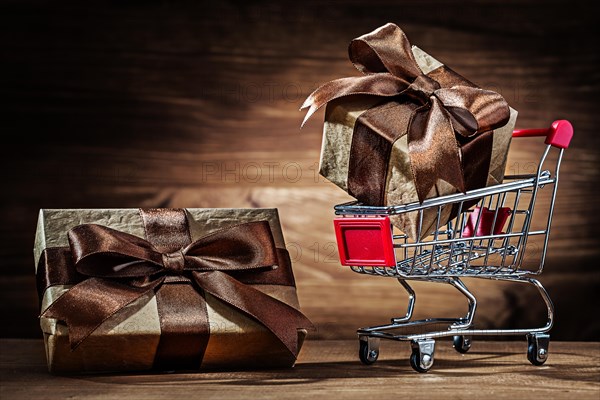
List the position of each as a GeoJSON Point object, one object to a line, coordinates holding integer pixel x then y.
{"type": "Point", "coordinates": [166, 289]}
{"type": "Point", "coordinates": [409, 129]}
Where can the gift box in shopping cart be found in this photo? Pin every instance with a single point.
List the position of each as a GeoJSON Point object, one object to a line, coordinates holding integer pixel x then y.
{"type": "Point", "coordinates": [424, 149]}
{"type": "Point", "coordinates": [409, 129]}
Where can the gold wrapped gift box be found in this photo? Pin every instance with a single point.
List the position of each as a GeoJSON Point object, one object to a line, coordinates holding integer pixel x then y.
{"type": "Point", "coordinates": [129, 340]}
{"type": "Point", "coordinates": [387, 100]}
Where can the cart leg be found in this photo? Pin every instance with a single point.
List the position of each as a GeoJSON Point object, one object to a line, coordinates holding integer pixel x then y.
{"type": "Point", "coordinates": [423, 351]}
{"type": "Point", "coordinates": [368, 350]}
{"type": "Point", "coordinates": [549, 305]}
{"type": "Point", "coordinates": [467, 321]}
{"type": "Point", "coordinates": [547, 300]}
{"type": "Point", "coordinates": [412, 298]}
{"type": "Point", "coordinates": [537, 348]}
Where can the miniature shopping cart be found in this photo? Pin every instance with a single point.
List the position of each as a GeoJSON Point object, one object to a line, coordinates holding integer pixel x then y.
{"type": "Point", "coordinates": [490, 237]}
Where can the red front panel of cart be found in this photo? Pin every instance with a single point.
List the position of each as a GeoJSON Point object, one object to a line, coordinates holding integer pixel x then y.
{"type": "Point", "coordinates": [365, 241]}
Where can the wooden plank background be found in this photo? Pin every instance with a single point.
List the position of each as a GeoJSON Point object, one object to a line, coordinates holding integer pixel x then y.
{"type": "Point", "coordinates": [186, 104]}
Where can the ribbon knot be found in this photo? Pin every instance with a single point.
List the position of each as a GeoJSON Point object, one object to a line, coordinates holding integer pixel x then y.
{"type": "Point", "coordinates": [385, 58]}
{"type": "Point", "coordinates": [174, 262]}
{"type": "Point", "coordinates": [421, 89]}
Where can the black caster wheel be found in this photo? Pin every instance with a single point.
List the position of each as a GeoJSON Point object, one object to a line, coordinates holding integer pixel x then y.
{"type": "Point", "coordinates": [461, 343]}
{"type": "Point", "coordinates": [537, 348]}
{"type": "Point", "coordinates": [421, 359]}
{"type": "Point", "coordinates": [367, 354]}
{"type": "Point", "coordinates": [415, 362]}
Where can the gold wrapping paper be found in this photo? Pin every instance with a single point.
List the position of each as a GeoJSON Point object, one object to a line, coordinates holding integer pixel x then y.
{"type": "Point", "coordinates": [128, 340]}
{"type": "Point", "coordinates": [340, 118]}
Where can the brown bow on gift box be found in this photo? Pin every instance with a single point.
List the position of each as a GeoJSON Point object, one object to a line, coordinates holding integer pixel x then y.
{"type": "Point", "coordinates": [119, 268]}
{"type": "Point", "coordinates": [439, 110]}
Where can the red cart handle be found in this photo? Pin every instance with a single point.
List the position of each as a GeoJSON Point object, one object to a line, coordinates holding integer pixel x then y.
{"type": "Point", "coordinates": [558, 135]}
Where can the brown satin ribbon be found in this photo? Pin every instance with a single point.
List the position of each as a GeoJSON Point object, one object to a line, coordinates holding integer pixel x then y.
{"type": "Point", "coordinates": [121, 268]}
{"type": "Point", "coordinates": [55, 267]}
{"type": "Point", "coordinates": [182, 313]}
{"type": "Point", "coordinates": [430, 108]}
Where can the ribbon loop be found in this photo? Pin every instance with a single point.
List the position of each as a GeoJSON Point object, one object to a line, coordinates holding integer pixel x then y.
{"type": "Point", "coordinates": [104, 252]}
{"type": "Point", "coordinates": [386, 49]}
{"type": "Point", "coordinates": [473, 109]}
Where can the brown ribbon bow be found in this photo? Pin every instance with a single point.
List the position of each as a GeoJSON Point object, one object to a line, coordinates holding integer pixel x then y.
{"type": "Point", "coordinates": [386, 59]}
{"type": "Point", "coordinates": [123, 267]}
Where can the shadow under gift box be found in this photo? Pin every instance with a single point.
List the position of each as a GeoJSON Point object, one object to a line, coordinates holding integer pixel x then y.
{"type": "Point", "coordinates": [341, 116]}
{"type": "Point", "coordinates": [128, 340]}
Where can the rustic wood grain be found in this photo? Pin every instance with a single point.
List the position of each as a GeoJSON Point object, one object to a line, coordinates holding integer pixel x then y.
{"type": "Point", "coordinates": [329, 368]}
{"type": "Point", "coordinates": [187, 104]}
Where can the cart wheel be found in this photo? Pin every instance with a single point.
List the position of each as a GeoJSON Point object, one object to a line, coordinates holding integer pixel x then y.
{"type": "Point", "coordinates": [421, 359]}
{"type": "Point", "coordinates": [537, 348]}
{"type": "Point", "coordinates": [462, 344]}
{"type": "Point", "coordinates": [415, 362]}
{"type": "Point", "coordinates": [367, 354]}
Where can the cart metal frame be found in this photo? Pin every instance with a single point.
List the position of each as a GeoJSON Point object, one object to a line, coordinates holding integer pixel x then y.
{"type": "Point", "coordinates": [476, 243]}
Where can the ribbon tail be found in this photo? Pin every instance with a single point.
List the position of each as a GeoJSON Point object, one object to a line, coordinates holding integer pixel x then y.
{"type": "Point", "coordinates": [434, 151]}
{"type": "Point", "coordinates": [313, 109]}
{"type": "Point", "coordinates": [281, 319]}
{"type": "Point", "coordinates": [88, 304]}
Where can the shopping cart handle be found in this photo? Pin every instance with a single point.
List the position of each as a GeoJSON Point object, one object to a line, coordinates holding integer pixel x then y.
{"type": "Point", "coordinates": [558, 135]}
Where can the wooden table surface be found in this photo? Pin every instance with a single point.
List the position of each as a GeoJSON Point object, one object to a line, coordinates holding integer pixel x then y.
{"type": "Point", "coordinates": [329, 368]}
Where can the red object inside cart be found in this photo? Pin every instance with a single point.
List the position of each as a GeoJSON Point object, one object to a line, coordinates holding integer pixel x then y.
{"type": "Point", "coordinates": [486, 221]}
{"type": "Point", "coordinates": [365, 241]}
